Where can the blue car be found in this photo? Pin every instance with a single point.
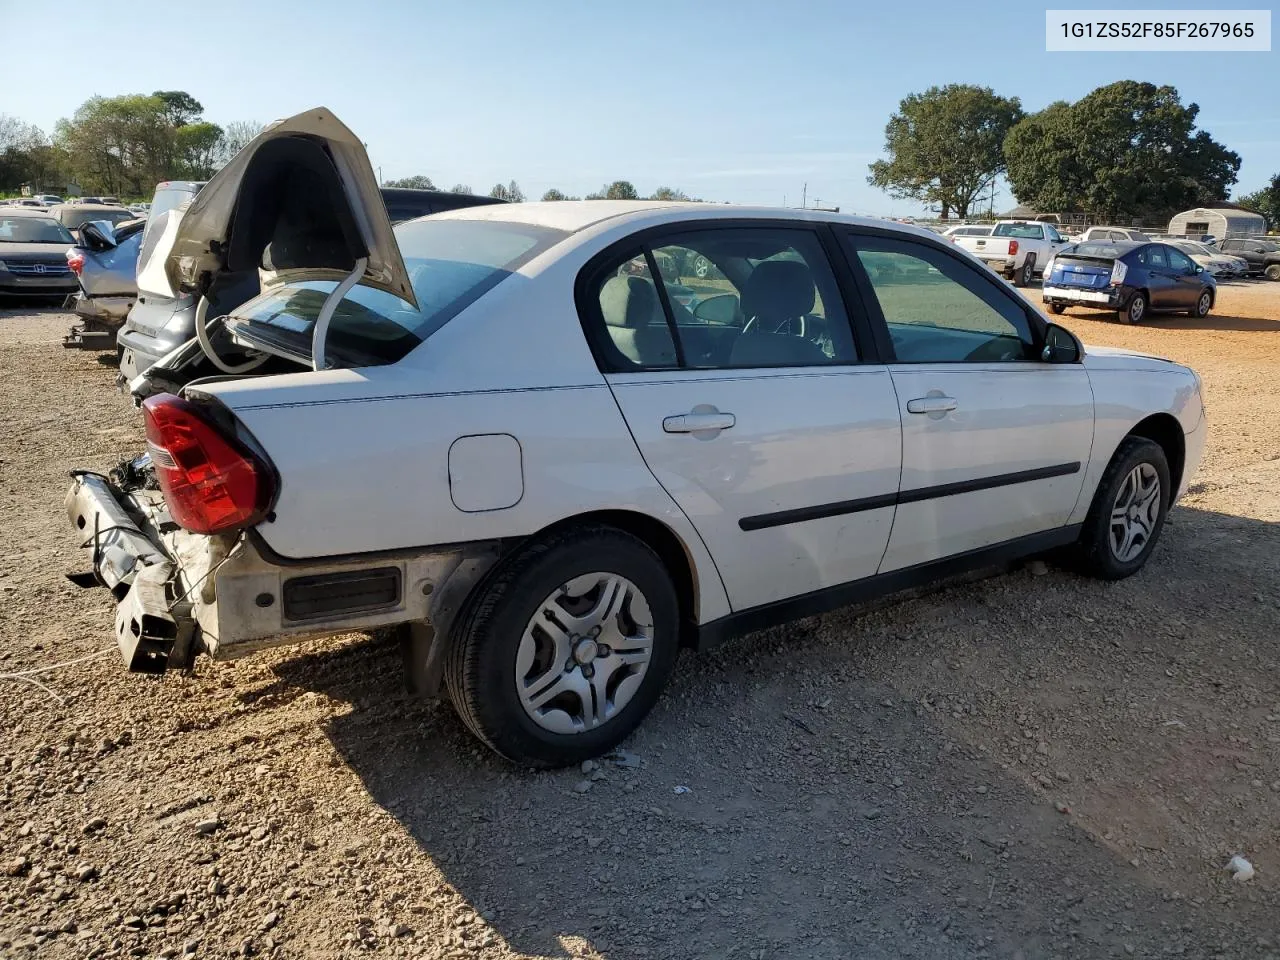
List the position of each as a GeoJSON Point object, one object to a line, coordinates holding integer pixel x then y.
{"type": "Point", "coordinates": [1132, 278]}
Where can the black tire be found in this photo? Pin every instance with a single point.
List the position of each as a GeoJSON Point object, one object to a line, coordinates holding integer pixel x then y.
{"type": "Point", "coordinates": [1094, 551]}
{"type": "Point", "coordinates": [1023, 276]}
{"type": "Point", "coordinates": [1273, 272]}
{"type": "Point", "coordinates": [1057, 309]}
{"type": "Point", "coordinates": [479, 670]}
{"type": "Point", "coordinates": [1136, 310]}
{"type": "Point", "coordinates": [1204, 303]}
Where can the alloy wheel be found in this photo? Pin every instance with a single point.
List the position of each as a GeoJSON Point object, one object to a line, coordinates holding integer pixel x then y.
{"type": "Point", "coordinates": [1206, 301]}
{"type": "Point", "coordinates": [1135, 512]}
{"type": "Point", "coordinates": [584, 653]}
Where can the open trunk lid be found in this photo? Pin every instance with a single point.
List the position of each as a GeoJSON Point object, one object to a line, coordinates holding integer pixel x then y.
{"type": "Point", "coordinates": [299, 202]}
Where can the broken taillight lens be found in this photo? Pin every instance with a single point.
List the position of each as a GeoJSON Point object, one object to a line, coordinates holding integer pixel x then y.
{"type": "Point", "coordinates": [211, 482]}
{"type": "Point", "coordinates": [75, 260]}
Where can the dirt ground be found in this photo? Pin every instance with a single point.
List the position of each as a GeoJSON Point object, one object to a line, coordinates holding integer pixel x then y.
{"type": "Point", "coordinates": [1021, 767]}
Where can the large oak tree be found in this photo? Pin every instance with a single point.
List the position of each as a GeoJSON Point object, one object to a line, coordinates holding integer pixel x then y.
{"type": "Point", "coordinates": [1127, 150]}
{"type": "Point", "coordinates": [945, 146]}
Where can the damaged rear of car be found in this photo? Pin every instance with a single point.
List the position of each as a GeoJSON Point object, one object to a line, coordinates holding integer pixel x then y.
{"type": "Point", "coordinates": [172, 531]}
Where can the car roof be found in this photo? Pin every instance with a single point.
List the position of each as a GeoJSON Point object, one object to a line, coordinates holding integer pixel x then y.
{"type": "Point", "coordinates": [41, 213]}
{"type": "Point", "coordinates": [574, 215]}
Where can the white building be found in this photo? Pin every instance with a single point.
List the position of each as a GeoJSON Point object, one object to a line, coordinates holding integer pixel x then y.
{"type": "Point", "coordinates": [1221, 220]}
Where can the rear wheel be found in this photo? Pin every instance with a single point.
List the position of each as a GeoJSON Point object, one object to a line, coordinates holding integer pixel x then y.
{"type": "Point", "coordinates": [1023, 276]}
{"type": "Point", "coordinates": [566, 649]}
{"type": "Point", "coordinates": [1135, 311]}
{"type": "Point", "coordinates": [1128, 511]}
{"type": "Point", "coordinates": [1273, 271]}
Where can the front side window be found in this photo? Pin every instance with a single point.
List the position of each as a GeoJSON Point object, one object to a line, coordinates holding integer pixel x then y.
{"type": "Point", "coordinates": [723, 298]}
{"type": "Point", "coordinates": [1180, 262]}
{"type": "Point", "coordinates": [939, 309]}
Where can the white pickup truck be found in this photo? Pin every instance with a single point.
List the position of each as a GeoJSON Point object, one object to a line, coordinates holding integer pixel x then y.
{"type": "Point", "coordinates": [1018, 249]}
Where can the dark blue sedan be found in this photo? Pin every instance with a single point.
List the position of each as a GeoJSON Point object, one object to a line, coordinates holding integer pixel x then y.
{"type": "Point", "coordinates": [1130, 277]}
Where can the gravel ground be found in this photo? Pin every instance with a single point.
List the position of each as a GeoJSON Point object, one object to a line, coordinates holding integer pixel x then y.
{"type": "Point", "coordinates": [1024, 766]}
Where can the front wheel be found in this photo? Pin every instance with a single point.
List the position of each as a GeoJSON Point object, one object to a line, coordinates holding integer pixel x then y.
{"type": "Point", "coordinates": [1057, 309]}
{"type": "Point", "coordinates": [1204, 304]}
{"type": "Point", "coordinates": [1135, 311]}
{"type": "Point", "coordinates": [566, 648]}
{"type": "Point", "coordinates": [1128, 511]}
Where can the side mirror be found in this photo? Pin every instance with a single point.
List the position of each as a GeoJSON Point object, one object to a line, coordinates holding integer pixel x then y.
{"type": "Point", "coordinates": [1199, 269]}
{"type": "Point", "coordinates": [1060, 345]}
{"type": "Point", "coordinates": [722, 310]}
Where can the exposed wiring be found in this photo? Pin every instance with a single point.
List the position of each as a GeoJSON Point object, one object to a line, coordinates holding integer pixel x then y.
{"type": "Point", "coordinates": [58, 666]}
{"type": "Point", "coordinates": [321, 330]}
{"type": "Point", "coordinates": [15, 676]}
{"type": "Point", "coordinates": [207, 574]}
{"type": "Point", "coordinates": [25, 676]}
{"type": "Point", "coordinates": [206, 345]}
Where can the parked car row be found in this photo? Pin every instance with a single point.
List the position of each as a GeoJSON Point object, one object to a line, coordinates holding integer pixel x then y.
{"type": "Point", "coordinates": [490, 429]}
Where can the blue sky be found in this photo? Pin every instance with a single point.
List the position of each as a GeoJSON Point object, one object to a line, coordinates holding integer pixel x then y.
{"type": "Point", "coordinates": [734, 100]}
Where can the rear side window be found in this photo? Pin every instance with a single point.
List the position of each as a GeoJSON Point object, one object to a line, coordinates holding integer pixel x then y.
{"type": "Point", "coordinates": [1156, 257]}
{"type": "Point", "coordinates": [727, 298]}
{"type": "Point", "coordinates": [451, 264]}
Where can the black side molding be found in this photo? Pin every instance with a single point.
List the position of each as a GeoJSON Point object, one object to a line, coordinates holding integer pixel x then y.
{"type": "Point", "coordinates": [881, 585]}
{"type": "Point", "coordinates": [823, 510]}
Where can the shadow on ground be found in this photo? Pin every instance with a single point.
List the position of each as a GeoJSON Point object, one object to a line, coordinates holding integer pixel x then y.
{"type": "Point", "coordinates": [828, 816]}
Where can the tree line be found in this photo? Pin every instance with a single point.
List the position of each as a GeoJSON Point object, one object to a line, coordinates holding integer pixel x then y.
{"type": "Point", "coordinates": [617, 190]}
{"type": "Point", "coordinates": [1127, 150]}
{"type": "Point", "coordinates": [120, 146]}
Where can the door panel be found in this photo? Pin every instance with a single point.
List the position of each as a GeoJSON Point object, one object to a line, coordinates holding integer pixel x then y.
{"type": "Point", "coordinates": [993, 439]}
{"type": "Point", "coordinates": [1008, 420]}
{"type": "Point", "coordinates": [800, 438]}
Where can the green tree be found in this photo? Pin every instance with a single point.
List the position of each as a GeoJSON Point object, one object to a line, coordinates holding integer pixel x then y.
{"type": "Point", "coordinates": [618, 190]}
{"type": "Point", "coordinates": [235, 137]}
{"type": "Point", "coordinates": [1127, 150]}
{"type": "Point", "coordinates": [669, 193]}
{"type": "Point", "coordinates": [510, 192]}
{"type": "Point", "coordinates": [945, 146]}
{"type": "Point", "coordinates": [27, 156]}
{"type": "Point", "coordinates": [416, 182]}
{"type": "Point", "coordinates": [554, 194]}
{"type": "Point", "coordinates": [198, 145]}
{"type": "Point", "coordinates": [180, 108]}
{"type": "Point", "coordinates": [1265, 201]}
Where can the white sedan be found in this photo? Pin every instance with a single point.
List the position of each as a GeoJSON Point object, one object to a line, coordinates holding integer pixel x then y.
{"type": "Point", "coordinates": [550, 475]}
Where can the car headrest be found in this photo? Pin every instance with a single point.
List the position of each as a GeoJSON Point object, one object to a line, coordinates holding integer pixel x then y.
{"type": "Point", "coordinates": [778, 289]}
{"type": "Point", "coordinates": [630, 302]}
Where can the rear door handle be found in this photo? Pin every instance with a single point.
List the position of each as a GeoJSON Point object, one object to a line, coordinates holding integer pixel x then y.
{"type": "Point", "coordinates": [698, 422]}
{"type": "Point", "coordinates": [931, 405]}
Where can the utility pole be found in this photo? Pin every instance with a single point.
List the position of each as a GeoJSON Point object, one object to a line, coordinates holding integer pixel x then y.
{"type": "Point", "coordinates": [804, 197]}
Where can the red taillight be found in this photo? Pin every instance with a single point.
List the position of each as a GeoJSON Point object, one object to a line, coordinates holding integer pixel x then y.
{"type": "Point", "coordinates": [1013, 248]}
{"type": "Point", "coordinates": [210, 481]}
{"type": "Point", "coordinates": [75, 260]}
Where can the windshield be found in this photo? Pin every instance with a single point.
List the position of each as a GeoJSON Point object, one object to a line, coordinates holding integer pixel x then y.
{"type": "Point", "coordinates": [1100, 249]}
{"type": "Point", "coordinates": [451, 264]}
{"type": "Point", "coordinates": [75, 219]}
{"type": "Point", "coordinates": [1196, 249]}
{"type": "Point", "coordinates": [33, 230]}
{"type": "Point", "coordinates": [168, 198]}
{"type": "Point", "coordinates": [1019, 231]}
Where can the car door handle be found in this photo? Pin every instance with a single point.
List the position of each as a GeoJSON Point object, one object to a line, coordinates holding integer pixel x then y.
{"type": "Point", "coordinates": [698, 422]}
{"type": "Point", "coordinates": [931, 405]}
